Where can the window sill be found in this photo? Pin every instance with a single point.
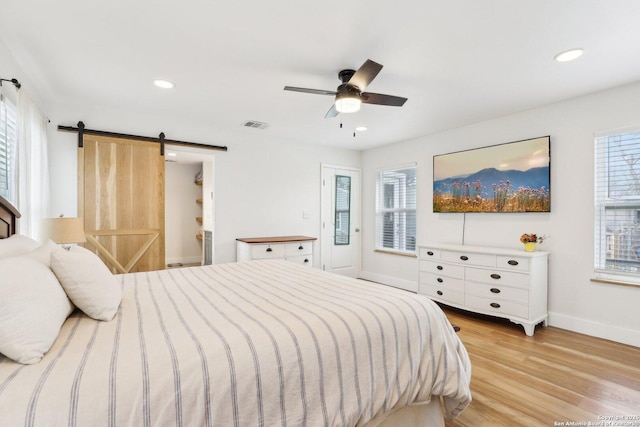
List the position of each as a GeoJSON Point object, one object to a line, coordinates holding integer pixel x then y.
{"type": "Point", "coordinates": [407, 254]}
{"type": "Point", "coordinates": [616, 282]}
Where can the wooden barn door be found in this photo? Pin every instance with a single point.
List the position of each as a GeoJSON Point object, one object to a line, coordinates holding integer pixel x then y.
{"type": "Point", "coordinates": [121, 198]}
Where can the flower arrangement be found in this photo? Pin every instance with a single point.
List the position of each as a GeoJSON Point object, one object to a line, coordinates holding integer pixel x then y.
{"type": "Point", "coordinates": [531, 238]}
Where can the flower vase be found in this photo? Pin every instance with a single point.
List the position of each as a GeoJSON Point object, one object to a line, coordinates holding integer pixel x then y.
{"type": "Point", "coordinates": [530, 247]}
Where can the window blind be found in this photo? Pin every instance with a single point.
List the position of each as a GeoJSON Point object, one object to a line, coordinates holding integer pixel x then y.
{"type": "Point", "coordinates": [396, 209]}
{"type": "Point", "coordinates": [617, 205]}
{"type": "Point", "coordinates": [342, 219]}
{"type": "Point", "coordinates": [8, 138]}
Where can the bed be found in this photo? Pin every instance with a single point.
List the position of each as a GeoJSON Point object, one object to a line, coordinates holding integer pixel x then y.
{"type": "Point", "coordinates": [258, 343]}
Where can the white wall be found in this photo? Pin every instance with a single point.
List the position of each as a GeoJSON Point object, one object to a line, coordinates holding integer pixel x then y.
{"type": "Point", "coordinates": [575, 302]}
{"type": "Point", "coordinates": [181, 210]}
{"type": "Point", "coordinates": [262, 189]}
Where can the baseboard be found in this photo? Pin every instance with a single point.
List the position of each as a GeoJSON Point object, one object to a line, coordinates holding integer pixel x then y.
{"type": "Point", "coordinates": [595, 329]}
{"type": "Point", "coordinates": [184, 260]}
{"type": "Point", "coordinates": [407, 285]}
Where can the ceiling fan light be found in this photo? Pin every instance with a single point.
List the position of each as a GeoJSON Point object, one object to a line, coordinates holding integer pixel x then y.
{"type": "Point", "coordinates": [164, 84]}
{"type": "Point", "coordinates": [348, 103]}
{"type": "Point", "coordinates": [569, 55]}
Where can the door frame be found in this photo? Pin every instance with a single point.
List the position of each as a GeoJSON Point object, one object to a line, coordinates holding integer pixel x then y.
{"type": "Point", "coordinates": [326, 221]}
{"type": "Point", "coordinates": [188, 154]}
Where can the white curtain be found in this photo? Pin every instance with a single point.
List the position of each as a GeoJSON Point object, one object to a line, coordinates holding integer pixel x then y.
{"type": "Point", "coordinates": [33, 166]}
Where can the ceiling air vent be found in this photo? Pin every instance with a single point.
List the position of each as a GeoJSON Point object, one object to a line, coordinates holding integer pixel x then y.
{"type": "Point", "coordinates": [254, 124]}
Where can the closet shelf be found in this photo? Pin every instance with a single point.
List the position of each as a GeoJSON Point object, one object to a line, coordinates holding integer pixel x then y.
{"type": "Point", "coordinates": [198, 182]}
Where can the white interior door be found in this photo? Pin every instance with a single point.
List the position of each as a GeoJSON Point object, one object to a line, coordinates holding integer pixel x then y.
{"type": "Point", "coordinates": [340, 242]}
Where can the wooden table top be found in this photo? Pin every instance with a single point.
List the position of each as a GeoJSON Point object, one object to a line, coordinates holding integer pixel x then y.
{"type": "Point", "coordinates": [275, 239]}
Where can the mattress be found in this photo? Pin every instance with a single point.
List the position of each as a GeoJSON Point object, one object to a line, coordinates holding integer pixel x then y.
{"type": "Point", "coordinates": [261, 343]}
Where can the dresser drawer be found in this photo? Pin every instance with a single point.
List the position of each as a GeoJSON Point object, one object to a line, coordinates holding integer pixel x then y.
{"type": "Point", "coordinates": [442, 281]}
{"type": "Point", "coordinates": [497, 292]}
{"type": "Point", "coordinates": [298, 248]}
{"type": "Point", "coordinates": [426, 253]}
{"type": "Point", "coordinates": [497, 277]}
{"type": "Point", "coordinates": [497, 306]}
{"type": "Point", "coordinates": [442, 269]}
{"type": "Point", "coordinates": [442, 294]}
{"type": "Point", "coordinates": [306, 260]}
{"type": "Point", "coordinates": [267, 251]}
{"type": "Point", "coordinates": [513, 263]}
{"type": "Point", "coordinates": [469, 258]}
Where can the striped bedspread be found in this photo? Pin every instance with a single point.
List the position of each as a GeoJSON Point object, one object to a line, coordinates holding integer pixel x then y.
{"type": "Point", "coordinates": [261, 343]}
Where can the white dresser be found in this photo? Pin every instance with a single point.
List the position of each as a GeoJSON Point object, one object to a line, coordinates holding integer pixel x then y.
{"type": "Point", "coordinates": [505, 283]}
{"type": "Point", "coordinates": [298, 249]}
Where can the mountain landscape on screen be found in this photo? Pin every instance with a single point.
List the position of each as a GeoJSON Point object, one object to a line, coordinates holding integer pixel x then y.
{"type": "Point", "coordinates": [493, 190]}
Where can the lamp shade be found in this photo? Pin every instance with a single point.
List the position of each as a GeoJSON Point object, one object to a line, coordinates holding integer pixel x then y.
{"type": "Point", "coordinates": [63, 230]}
{"type": "Point", "coordinates": [347, 102]}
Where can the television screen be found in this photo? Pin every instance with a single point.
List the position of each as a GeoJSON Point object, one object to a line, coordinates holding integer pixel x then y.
{"type": "Point", "coordinates": [511, 177]}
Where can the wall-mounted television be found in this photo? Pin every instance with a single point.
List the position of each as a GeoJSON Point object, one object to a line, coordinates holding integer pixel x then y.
{"type": "Point", "coordinates": [511, 177]}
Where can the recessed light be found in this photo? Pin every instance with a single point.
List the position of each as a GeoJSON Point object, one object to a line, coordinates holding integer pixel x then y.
{"type": "Point", "coordinates": [171, 154]}
{"type": "Point", "coordinates": [569, 55]}
{"type": "Point", "coordinates": [361, 128]}
{"type": "Point", "coordinates": [165, 84]}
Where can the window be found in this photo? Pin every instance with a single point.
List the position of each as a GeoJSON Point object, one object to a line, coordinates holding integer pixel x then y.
{"type": "Point", "coordinates": [617, 205]}
{"type": "Point", "coordinates": [343, 210]}
{"type": "Point", "coordinates": [396, 210]}
{"type": "Point", "coordinates": [8, 137]}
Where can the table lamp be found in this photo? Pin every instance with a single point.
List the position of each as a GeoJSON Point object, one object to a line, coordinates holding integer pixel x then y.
{"type": "Point", "coordinates": [64, 231]}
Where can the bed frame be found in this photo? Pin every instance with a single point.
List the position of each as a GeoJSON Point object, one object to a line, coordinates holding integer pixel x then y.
{"type": "Point", "coordinates": [8, 217]}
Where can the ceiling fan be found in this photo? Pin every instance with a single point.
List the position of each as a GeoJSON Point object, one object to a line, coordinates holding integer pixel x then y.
{"type": "Point", "coordinates": [350, 94]}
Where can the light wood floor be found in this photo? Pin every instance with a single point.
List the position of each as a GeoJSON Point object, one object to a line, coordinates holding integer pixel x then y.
{"type": "Point", "coordinates": [556, 376]}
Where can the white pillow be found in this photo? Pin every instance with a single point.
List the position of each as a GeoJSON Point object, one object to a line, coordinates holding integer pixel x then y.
{"type": "Point", "coordinates": [33, 307]}
{"type": "Point", "coordinates": [43, 253]}
{"type": "Point", "coordinates": [17, 245]}
{"type": "Point", "coordinates": [88, 282]}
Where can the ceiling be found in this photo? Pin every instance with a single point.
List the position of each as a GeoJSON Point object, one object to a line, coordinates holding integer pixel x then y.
{"type": "Point", "coordinates": [458, 62]}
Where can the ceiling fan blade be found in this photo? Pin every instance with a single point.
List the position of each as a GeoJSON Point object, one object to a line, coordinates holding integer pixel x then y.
{"type": "Point", "coordinates": [365, 74]}
{"type": "Point", "coordinates": [380, 99]}
{"type": "Point", "coordinates": [312, 91]}
{"type": "Point", "coordinates": [333, 111]}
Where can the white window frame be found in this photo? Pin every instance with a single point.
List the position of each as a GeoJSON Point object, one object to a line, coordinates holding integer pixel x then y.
{"type": "Point", "coordinates": [8, 148]}
{"type": "Point", "coordinates": [613, 250]}
{"type": "Point", "coordinates": [402, 243]}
